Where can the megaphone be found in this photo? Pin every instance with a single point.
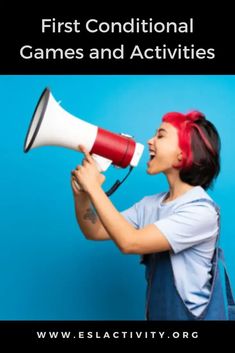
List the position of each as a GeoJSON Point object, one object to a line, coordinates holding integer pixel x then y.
{"type": "Point", "coordinates": [51, 125]}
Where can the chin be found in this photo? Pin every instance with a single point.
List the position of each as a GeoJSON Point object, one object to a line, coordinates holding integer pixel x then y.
{"type": "Point", "coordinates": [151, 171]}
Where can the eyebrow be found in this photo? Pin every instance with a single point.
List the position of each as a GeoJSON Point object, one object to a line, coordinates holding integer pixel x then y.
{"type": "Point", "coordinates": [161, 130]}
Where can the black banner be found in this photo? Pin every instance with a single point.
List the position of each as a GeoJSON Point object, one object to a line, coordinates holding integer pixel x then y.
{"type": "Point", "coordinates": [118, 332]}
{"type": "Point", "coordinates": [138, 43]}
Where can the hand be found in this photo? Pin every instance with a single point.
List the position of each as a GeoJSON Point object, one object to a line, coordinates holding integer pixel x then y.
{"type": "Point", "coordinates": [77, 190]}
{"type": "Point", "coordinates": [87, 175]}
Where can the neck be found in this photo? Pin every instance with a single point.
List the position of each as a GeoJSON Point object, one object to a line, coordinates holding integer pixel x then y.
{"type": "Point", "coordinates": [176, 186]}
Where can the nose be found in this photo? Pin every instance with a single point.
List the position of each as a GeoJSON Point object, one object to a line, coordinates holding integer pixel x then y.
{"type": "Point", "coordinates": [150, 141]}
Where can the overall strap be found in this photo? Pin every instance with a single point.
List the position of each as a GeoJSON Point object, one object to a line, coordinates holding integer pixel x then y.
{"type": "Point", "coordinates": [228, 287]}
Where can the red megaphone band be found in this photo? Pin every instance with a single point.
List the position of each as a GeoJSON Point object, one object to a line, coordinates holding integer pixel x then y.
{"type": "Point", "coordinates": [118, 148]}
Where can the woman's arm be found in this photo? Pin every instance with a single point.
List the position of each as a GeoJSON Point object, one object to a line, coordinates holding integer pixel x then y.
{"type": "Point", "coordinates": [86, 217]}
{"type": "Point", "coordinates": [128, 239]}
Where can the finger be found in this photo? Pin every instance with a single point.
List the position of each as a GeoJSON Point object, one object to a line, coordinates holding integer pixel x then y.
{"type": "Point", "coordinates": [74, 173]}
{"type": "Point", "coordinates": [76, 186]}
{"type": "Point", "coordinates": [73, 185]}
{"type": "Point", "coordinates": [78, 167]}
{"type": "Point", "coordinates": [74, 181]}
{"type": "Point", "coordinates": [86, 153]}
{"type": "Point", "coordinates": [85, 162]}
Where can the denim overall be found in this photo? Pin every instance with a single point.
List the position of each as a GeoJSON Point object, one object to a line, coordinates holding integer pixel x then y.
{"type": "Point", "coordinates": [163, 301]}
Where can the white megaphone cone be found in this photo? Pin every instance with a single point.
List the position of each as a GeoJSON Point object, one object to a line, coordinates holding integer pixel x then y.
{"type": "Point", "coordinates": [51, 125]}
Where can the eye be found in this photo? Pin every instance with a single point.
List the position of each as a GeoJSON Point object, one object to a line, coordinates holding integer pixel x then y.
{"type": "Point", "coordinates": [160, 136]}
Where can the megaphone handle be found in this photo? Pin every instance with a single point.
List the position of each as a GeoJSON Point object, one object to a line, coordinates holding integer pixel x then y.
{"type": "Point", "coordinates": [102, 163]}
{"type": "Point", "coordinates": [113, 188]}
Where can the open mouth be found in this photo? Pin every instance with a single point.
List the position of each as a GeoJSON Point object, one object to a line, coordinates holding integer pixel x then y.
{"type": "Point", "coordinates": [151, 155]}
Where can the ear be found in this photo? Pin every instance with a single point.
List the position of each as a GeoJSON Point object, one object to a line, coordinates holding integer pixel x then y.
{"type": "Point", "coordinates": [180, 156]}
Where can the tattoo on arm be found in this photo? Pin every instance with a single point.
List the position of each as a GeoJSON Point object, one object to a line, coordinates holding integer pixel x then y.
{"type": "Point", "coordinates": [90, 216]}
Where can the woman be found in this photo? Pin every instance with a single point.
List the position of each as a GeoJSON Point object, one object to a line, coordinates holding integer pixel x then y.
{"type": "Point", "coordinates": [175, 232]}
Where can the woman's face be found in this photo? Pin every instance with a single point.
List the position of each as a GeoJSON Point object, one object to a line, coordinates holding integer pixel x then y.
{"type": "Point", "coordinates": [164, 150]}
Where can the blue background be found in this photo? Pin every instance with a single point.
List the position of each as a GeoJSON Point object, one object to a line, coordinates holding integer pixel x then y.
{"type": "Point", "coordinates": [48, 270]}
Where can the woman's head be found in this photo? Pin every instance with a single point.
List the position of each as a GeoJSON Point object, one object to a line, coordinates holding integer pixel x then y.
{"type": "Point", "coordinates": [188, 143]}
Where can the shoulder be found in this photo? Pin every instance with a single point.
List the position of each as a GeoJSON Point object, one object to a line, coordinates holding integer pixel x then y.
{"type": "Point", "coordinates": [191, 223]}
{"type": "Point", "coordinates": [203, 214]}
{"type": "Point", "coordinates": [198, 209]}
{"type": "Point", "coordinates": [198, 200]}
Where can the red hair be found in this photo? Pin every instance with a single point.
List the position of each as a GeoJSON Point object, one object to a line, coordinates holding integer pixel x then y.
{"type": "Point", "coordinates": [186, 124]}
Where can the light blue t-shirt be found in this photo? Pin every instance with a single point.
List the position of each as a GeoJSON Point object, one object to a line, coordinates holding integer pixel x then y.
{"type": "Point", "coordinates": [191, 225]}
